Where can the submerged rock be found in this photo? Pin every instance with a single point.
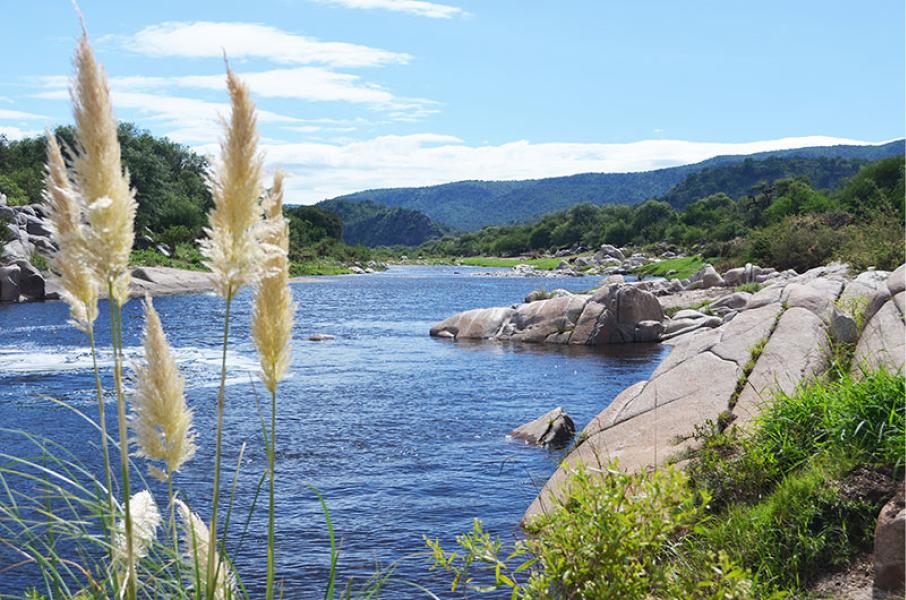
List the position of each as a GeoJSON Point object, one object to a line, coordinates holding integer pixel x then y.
{"type": "Point", "coordinates": [554, 428]}
{"type": "Point", "coordinates": [321, 337]}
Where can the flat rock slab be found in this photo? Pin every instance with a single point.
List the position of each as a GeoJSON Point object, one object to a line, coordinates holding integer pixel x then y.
{"type": "Point", "coordinates": [883, 342]}
{"type": "Point", "coordinates": [797, 351]}
{"type": "Point", "coordinates": [476, 324]}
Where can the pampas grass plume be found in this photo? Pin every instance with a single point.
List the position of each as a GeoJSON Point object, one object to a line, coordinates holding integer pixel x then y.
{"type": "Point", "coordinates": [79, 286]}
{"type": "Point", "coordinates": [99, 176]}
{"type": "Point", "coordinates": [197, 541]}
{"type": "Point", "coordinates": [145, 521]}
{"type": "Point", "coordinates": [161, 421]}
{"type": "Point", "coordinates": [231, 249]}
{"type": "Point", "coordinates": [272, 321]}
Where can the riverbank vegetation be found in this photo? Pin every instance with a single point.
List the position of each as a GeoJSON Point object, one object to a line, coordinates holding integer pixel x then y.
{"type": "Point", "coordinates": [751, 516]}
{"type": "Point", "coordinates": [784, 224]}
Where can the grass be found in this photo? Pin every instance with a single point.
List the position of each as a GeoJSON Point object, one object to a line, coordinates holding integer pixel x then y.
{"type": "Point", "coordinates": [184, 257]}
{"type": "Point", "coordinates": [317, 267]}
{"type": "Point", "coordinates": [544, 264]}
{"type": "Point", "coordinates": [749, 287]}
{"type": "Point", "coordinates": [685, 267]}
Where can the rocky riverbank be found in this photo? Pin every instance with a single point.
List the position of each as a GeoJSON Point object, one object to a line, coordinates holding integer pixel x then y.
{"type": "Point", "coordinates": [730, 354]}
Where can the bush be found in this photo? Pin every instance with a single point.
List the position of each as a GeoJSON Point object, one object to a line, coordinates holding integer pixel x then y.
{"type": "Point", "coordinates": [611, 536]}
{"type": "Point", "coordinates": [798, 242]}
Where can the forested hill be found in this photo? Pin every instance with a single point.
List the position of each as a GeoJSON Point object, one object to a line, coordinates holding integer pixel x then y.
{"type": "Point", "coordinates": [371, 224]}
{"type": "Point", "coordinates": [738, 178]}
{"type": "Point", "coordinates": [470, 205]}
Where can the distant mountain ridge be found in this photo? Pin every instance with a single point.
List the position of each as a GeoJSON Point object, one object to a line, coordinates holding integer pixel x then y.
{"type": "Point", "coordinates": [371, 224]}
{"type": "Point", "coordinates": [470, 205]}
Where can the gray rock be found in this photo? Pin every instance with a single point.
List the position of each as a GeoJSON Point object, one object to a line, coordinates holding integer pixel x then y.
{"type": "Point", "coordinates": [37, 227]}
{"type": "Point", "coordinates": [648, 331]}
{"type": "Point", "coordinates": [9, 283]}
{"type": "Point", "coordinates": [843, 328]}
{"type": "Point", "coordinates": [709, 278]}
{"type": "Point", "coordinates": [689, 313]}
{"type": "Point", "coordinates": [707, 322]}
{"type": "Point", "coordinates": [889, 556]}
{"type": "Point", "coordinates": [480, 323]}
{"type": "Point", "coordinates": [796, 353]}
{"type": "Point", "coordinates": [765, 296]}
{"type": "Point", "coordinates": [883, 341]}
{"type": "Point", "coordinates": [673, 325]}
{"type": "Point", "coordinates": [554, 428]}
{"type": "Point", "coordinates": [19, 248]}
{"type": "Point", "coordinates": [608, 251]}
{"type": "Point", "coordinates": [896, 283]}
{"type": "Point", "coordinates": [816, 295]}
{"type": "Point", "coordinates": [321, 337]}
{"type": "Point", "coordinates": [31, 281]}
{"type": "Point", "coordinates": [734, 277]}
{"type": "Point", "coordinates": [356, 270]}
{"type": "Point", "coordinates": [733, 301]}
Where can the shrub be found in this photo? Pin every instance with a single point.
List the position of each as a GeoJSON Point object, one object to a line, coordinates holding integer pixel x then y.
{"type": "Point", "coordinates": [613, 535]}
{"type": "Point", "coordinates": [798, 242]}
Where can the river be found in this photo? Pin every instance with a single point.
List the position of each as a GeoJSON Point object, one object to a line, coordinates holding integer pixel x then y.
{"type": "Point", "coordinates": [404, 435]}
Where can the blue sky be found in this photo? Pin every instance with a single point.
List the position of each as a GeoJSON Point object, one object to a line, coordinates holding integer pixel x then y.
{"type": "Point", "coordinates": [357, 94]}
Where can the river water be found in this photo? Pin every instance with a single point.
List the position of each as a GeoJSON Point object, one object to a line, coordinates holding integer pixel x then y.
{"type": "Point", "coordinates": [404, 435]}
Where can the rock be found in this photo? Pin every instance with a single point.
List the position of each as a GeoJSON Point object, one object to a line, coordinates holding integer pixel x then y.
{"type": "Point", "coordinates": [356, 270]}
{"type": "Point", "coordinates": [696, 324]}
{"type": "Point", "coordinates": [608, 251]}
{"type": "Point", "coordinates": [709, 278]}
{"type": "Point", "coordinates": [896, 283]}
{"type": "Point", "coordinates": [2, 199]}
{"type": "Point", "coordinates": [733, 301]}
{"type": "Point", "coordinates": [673, 325]}
{"type": "Point", "coordinates": [480, 323]}
{"type": "Point", "coordinates": [816, 295]}
{"type": "Point", "coordinates": [9, 283]}
{"type": "Point", "coordinates": [797, 352]}
{"type": "Point", "coordinates": [648, 331]}
{"type": "Point", "coordinates": [31, 282]}
{"type": "Point", "coordinates": [18, 249]}
{"type": "Point", "coordinates": [52, 290]}
{"type": "Point", "coordinates": [613, 279]}
{"type": "Point", "coordinates": [143, 242]}
{"type": "Point", "coordinates": [765, 296]}
{"type": "Point", "coordinates": [883, 341]}
{"type": "Point", "coordinates": [37, 227]}
{"type": "Point", "coordinates": [554, 429]}
{"type": "Point", "coordinates": [612, 314]}
{"type": "Point", "coordinates": [163, 249]}
{"type": "Point", "coordinates": [734, 277]}
{"type": "Point", "coordinates": [689, 313]}
{"type": "Point", "coordinates": [537, 321]}
{"type": "Point", "coordinates": [321, 337]}
{"type": "Point", "coordinates": [889, 558]}
{"type": "Point", "coordinates": [843, 328]}
{"type": "Point", "coordinates": [159, 281]}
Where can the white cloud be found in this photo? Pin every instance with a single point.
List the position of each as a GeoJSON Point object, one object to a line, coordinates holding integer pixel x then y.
{"type": "Point", "coordinates": [313, 84]}
{"type": "Point", "coordinates": [415, 7]}
{"type": "Point", "coordinates": [185, 120]}
{"type": "Point", "coordinates": [320, 170]}
{"type": "Point", "coordinates": [10, 115]}
{"type": "Point", "coordinates": [16, 133]}
{"type": "Point", "coordinates": [207, 39]}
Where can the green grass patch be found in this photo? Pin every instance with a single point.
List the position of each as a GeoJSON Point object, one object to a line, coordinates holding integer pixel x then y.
{"type": "Point", "coordinates": [317, 267]}
{"type": "Point", "coordinates": [749, 287]}
{"type": "Point", "coordinates": [684, 267]}
{"type": "Point", "coordinates": [544, 264]}
{"type": "Point", "coordinates": [185, 256]}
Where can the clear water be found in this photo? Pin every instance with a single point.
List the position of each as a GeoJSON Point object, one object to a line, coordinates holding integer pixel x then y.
{"type": "Point", "coordinates": [403, 434]}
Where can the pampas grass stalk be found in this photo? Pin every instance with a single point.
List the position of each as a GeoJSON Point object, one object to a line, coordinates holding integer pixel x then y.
{"type": "Point", "coordinates": [200, 551]}
{"type": "Point", "coordinates": [232, 250]}
{"type": "Point", "coordinates": [77, 280]}
{"type": "Point", "coordinates": [145, 521]}
{"type": "Point", "coordinates": [110, 207]}
{"type": "Point", "coordinates": [161, 420]}
{"type": "Point", "coordinates": [272, 324]}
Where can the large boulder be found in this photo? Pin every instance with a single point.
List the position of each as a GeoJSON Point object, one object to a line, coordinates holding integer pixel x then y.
{"type": "Point", "coordinates": [889, 557]}
{"type": "Point", "coordinates": [9, 283]}
{"type": "Point", "coordinates": [31, 281]}
{"type": "Point", "coordinates": [883, 341]}
{"type": "Point", "coordinates": [896, 283]}
{"type": "Point", "coordinates": [613, 314]}
{"type": "Point", "coordinates": [608, 251]}
{"type": "Point", "coordinates": [710, 278]}
{"type": "Point", "coordinates": [554, 428]}
{"type": "Point", "coordinates": [480, 323]}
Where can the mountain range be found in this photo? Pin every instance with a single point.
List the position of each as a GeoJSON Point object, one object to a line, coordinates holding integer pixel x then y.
{"type": "Point", "coordinates": [471, 205]}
